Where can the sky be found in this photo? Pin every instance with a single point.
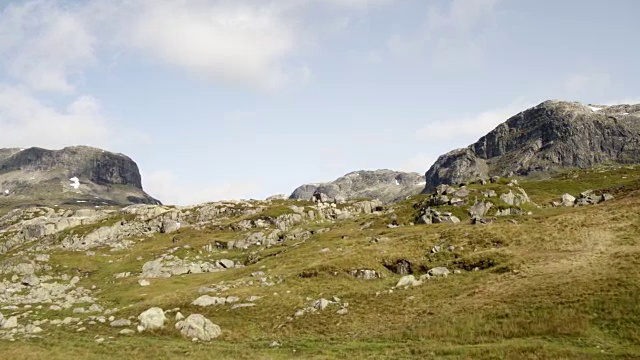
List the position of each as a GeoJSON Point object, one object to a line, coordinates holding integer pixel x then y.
{"type": "Point", "coordinates": [230, 99]}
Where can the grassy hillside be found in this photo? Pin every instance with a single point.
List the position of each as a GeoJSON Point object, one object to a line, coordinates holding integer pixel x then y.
{"type": "Point", "coordinates": [562, 283]}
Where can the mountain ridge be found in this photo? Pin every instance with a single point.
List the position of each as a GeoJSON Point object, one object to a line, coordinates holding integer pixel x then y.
{"type": "Point", "coordinates": [74, 173]}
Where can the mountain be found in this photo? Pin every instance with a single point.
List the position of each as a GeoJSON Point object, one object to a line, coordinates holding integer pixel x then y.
{"type": "Point", "coordinates": [386, 185]}
{"type": "Point", "coordinates": [549, 137]}
{"type": "Point", "coordinates": [73, 175]}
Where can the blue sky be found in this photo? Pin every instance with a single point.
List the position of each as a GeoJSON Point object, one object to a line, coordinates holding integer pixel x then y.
{"type": "Point", "coordinates": [223, 99]}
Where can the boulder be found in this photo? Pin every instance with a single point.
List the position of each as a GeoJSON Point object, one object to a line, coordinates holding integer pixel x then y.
{"type": "Point", "coordinates": [207, 300]}
{"type": "Point", "coordinates": [120, 323]}
{"type": "Point", "coordinates": [10, 323]}
{"type": "Point", "coordinates": [567, 200]}
{"type": "Point", "coordinates": [479, 209]}
{"type": "Point", "coordinates": [439, 271]}
{"type": "Point", "coordinates": [321, 304]}
{"type": "Point", "coordinates": [151, 319]}
{"type": "Point", "coordinates": [408, 280]}
{"type": "Point", "coordinates": [196, 326]}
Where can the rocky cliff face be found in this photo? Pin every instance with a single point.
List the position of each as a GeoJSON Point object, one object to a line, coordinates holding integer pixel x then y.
{"type": "Point", "coordinates": [74, 174]}
{"type": "Point", "coordinates": [546, 138]}
{"type": "Point", "coordinates": [385, 185]}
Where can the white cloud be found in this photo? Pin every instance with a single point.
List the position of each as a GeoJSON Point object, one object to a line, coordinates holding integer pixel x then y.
{"type": "Point", "coordinates": [469, 128]}
{"type": "Point", "coordinates": [164, 186]}
{"type": "Point", "coordinates": [26, 121]}
{"type": "Point", "coordinates": [222, 40]}
{"type": "Point", "coordinates": [44, 45]}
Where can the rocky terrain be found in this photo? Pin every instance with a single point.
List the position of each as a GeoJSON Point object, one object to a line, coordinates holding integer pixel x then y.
{"type": "Point", "coordinates": [552, 136]}
{"type": "Point", "coordinates": [386, 185]}
{"type": "Point", "coordinates": [73, 175]}
{"type": "Point", "coordinates": [298, 278]}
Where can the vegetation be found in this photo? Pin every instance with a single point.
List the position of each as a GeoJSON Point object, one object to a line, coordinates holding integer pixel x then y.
{"type": "Point", "coordinates": [560, 284]}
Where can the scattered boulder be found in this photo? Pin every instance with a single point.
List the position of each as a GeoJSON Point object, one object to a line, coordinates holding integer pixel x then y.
{"type": "Point", "coordinates": [365, 274]}
{"type": "Point", "coordinates": [439, 271]}
{"type": "Point", "coordinates": [479, 209]}
{"type": "Point", "coordinates": [151, 319]}
{"type": "Point", "coordinates": [207, 300]}
{"type": "Point", "coordinates": [10, 323]}
{"type": "Point", "coordinates": [120, 323]}
{"type": "Point", "coordinates": [196, 326]}
{"type": "Point", "coordinates": [408, 280]}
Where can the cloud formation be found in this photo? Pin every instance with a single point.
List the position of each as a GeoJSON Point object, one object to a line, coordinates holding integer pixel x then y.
{"type": "Point", "coordinates": [26, 121]}
{"type": "Point", "coordinates": [43, 45]}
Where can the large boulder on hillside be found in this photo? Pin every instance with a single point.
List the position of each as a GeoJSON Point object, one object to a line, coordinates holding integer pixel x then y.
{"type": "Point", "coordinates": [151, 319]}
{"type": "Point", "coordinates": [196, 326]}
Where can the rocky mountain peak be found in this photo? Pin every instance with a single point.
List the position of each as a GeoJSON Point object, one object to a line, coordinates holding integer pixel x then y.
{"type": "Point", "coordinates": [385, 185]}
{"type": "Point", "coordinates": [550, 136]}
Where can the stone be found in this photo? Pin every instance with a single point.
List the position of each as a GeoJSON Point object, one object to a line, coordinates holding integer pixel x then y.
{"type": "Point", "coordinates": [168, 226]}
{"type": "Point", "coordinates": [607, 197]}
{"type": "Point", "coordinates": [144, 282]}
{"type": "Point", "coordinates": [179, 316]}
{"type": "Point", "coordinates": [196, 326]}
{"type": "Point", "coordinates": [120, 323]}
{"type": "Point", "coordinates": [400, 267]}
{"type": "Point", "coordinates": [225, 263]}
{"type": "Point", "coordinates": [567, 200]}
{"type": "Point", "coordinates": [479, 209]}
{"type": "Point", "coordinates": [365, 274]}
{"type": "Point", "coordinates": [439, 271]}
{"type": "Point", "coordinates": [343, 311]}
{"type": "Point", "coordinates": [95, 308]}
{"type": "Point", "coordinates": [30, 280]}
{"type": "Point", "coordinates": [408, 280]}
{"type": "Point", "coordinates": [321, 304]}
{"type": "Point", "coordinates": [126, 332]}
{"type": "Point", "coordinates": [151, 319]}
{"type": "Point", "coordinates": [207, 300]}
{"type": "Point", "coordinates": [10, 323]}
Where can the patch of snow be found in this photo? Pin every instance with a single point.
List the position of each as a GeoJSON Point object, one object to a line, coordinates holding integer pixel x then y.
{"type": "Point", "coordinates": [397, 182]}
{"type": "Point", "coordinates": [80, 201]}
{"type": "Point", "coordinates": [593, 108]}
{"type": "Point", "coordinates": [6, 192]}
{"type": "Point", "coordinates": [75, 182]}
{"type": "Point", "coordinates": [21, 149]}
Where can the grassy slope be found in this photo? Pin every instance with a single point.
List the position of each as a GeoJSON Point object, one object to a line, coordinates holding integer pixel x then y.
{"type": "Point", "coordinates": [563, 284]}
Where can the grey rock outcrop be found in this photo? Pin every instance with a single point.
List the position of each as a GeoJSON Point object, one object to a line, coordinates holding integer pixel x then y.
{"type": "Point", "coordinates": [549, 137]}
{"type": "Point", "coordinates": [196, 326]}
{"type": "Point", "coordinates": [386, 185]}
